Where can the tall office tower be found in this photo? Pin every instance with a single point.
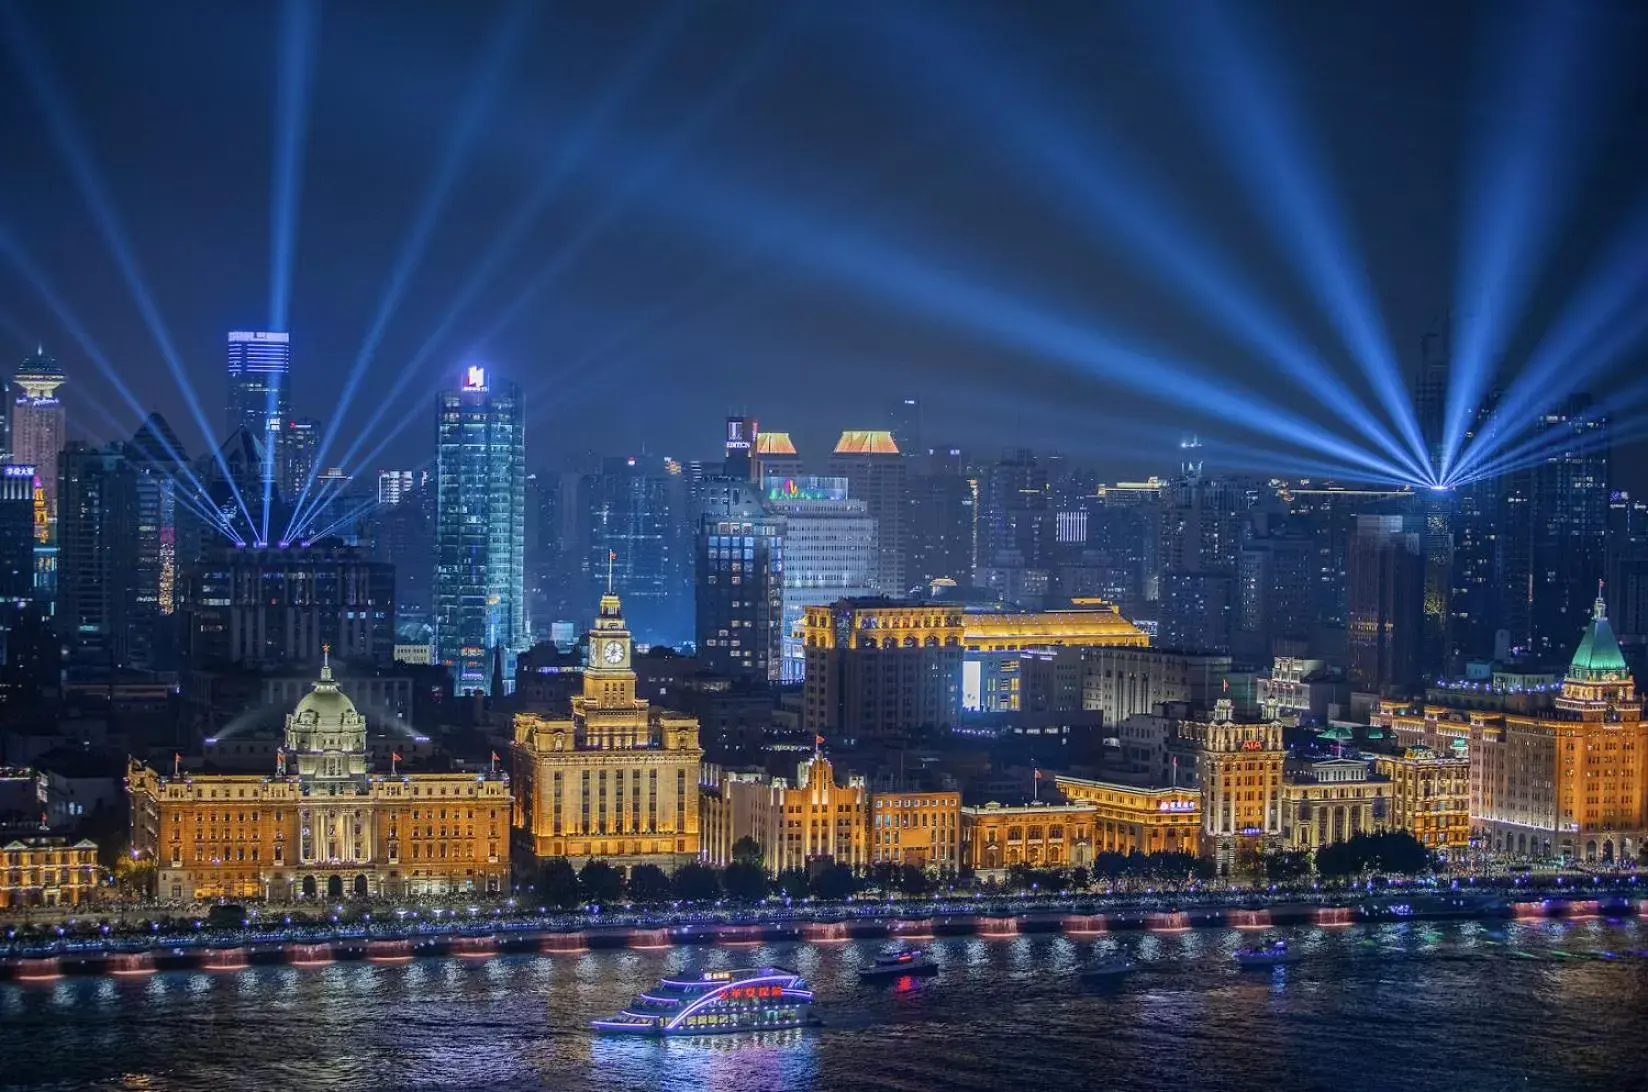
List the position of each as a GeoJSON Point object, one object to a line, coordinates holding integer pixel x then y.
{"type": "Point", "coordinates": [298, 447]}
{"type": "Point", "coordinates": [740, 463]}
{"type": "Point", "coordinates": [393, 485]}
{"type": "Point", "coordinates": [1275, 604]}
{"type": "Point", "coordinates": [1015, 529]}
{"type": "Point", "coordinates": [875, 473]}
{"type": "Point", "coordinates": [881, 669]}
{"type": "Point", "coordinates": [1431, 393]}
{"type": "Point", "coordinates": [168, 535]}
{"type": "Point", "coordinates": [1204, 522]}
{"type": "Point", "coordinates": [739, 591]}
{"type": "Point", "coordinates": [1124, 528]}
{"type": "Point", "coordinates": [16, 537]}
{"type": "Point", "coordinates": [38, 422]}
{"type": "Point", "coordinates": [275, 608]}
{"type": "Point", "coordinates": [405, 539]}
{"type": "Point", "coordinates": [904, 422]}
{"type": "Point", "coordinates": [97, 558]}
{"type": "Point", "coordinates": [1627, 586]}
{"type": "Point", "coordinates": [480, 577]}
{"type": "Point", "coordinates": [829, 554]}
{"type": "Point", "coordinates": [1568, 515]}
{"type": "Point", "coordinates": [640, 532]}
{"type": "Point", "coordinates": [1437, 653]}
{"type": "Point", "coordinates": [1386, 603]}
{"type": "Point", "coordinates": [943, 515]}
{"type": "Point", "coordinates": [260, 396]}
{"type": "Point", "coordinates": [776, 456]}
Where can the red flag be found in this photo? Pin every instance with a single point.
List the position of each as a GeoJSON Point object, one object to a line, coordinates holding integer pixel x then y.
{"type": "Point", "coordinates": [818, 741]}
{"type": "Point", "coordinates": [177, 756]}
{"type": "Point", "coordinates": [396, 756]}
{"type": "Point", "coordinates": [1038, 773]}
{"type": "Point", "coordinates": [612, 555]}
{"type": "Point", "coordinates": [495, 757]}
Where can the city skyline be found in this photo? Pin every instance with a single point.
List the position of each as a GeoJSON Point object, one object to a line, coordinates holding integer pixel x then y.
{"type": "Point", "coordinates": [434, 231]}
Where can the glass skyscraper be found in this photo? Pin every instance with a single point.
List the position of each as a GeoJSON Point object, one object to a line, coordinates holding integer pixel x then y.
{"type": "Point", "coordinates": [260, 395]}
{"type": "Point", "coordinates": [480, 529]}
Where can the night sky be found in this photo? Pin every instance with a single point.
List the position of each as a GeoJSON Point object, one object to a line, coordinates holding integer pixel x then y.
{"type": "Point", "coordinates": [699, 156]}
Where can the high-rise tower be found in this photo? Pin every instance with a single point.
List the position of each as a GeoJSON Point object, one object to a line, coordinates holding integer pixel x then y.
{"type": "Point", "coordinates": [38, 422]}
{"type": "Point", "coordinates": [480, 531]}
{"type": "Point", "coordinates": [260, 397]}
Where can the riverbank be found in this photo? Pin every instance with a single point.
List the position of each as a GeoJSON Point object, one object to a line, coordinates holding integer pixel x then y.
{"type": "Point", "coordinates": [398, 941]}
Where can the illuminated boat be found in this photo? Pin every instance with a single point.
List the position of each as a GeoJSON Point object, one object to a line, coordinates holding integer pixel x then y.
{"type": "Point", "coordinates": [901, 963]}
{"type": "Point", "coordinates": [1110, 969]}
{"type": "Point", "coordinates": [721, 1002]}
{"type": "Point", "coordinates": [1265, 956]}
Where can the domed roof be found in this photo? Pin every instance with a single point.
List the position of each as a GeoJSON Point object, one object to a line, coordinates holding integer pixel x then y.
{"type": "Point", "coordinates": [1598, 657]}
{"type": "Point", "coordinates": [325, 701]}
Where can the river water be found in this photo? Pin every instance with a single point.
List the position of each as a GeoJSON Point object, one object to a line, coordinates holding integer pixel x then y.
{"type": "Point", "coordinates": [1450, 1006]}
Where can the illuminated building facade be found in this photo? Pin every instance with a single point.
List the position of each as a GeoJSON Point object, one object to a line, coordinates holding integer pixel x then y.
{"type": "Point", "coordinates": [618, 778]}
{"type": "Point", "coordinates": [740, 463]}
{"type": "Point", "coordinates": [260, 394]}
{"type": "Point", "coordinates": [97, 556]}
{"type": "Point", "coordinates": [16, 534]}
{"type": "Point", "coordinates": [480, 529]}
{"type": "Point", "coordinates": [1385, 602]}
{"type": "Point", "coordinates": [739, 593]}
{"type": "Point", "coordinates": [271, 606]}
{"type": "Point", "coordinates": [1238, 768]}
{"type": "Point", "coordinates": [323, 825]}
{"type": "Point", "coordinates": [1090, 623]}
{"type": "Point", "coordinates": [1015, 528]}
{"type": "Point", "coordinates": [829, 554]}
{"type": "Point", "coordinates": [38, 422]}
{"type": "Point", "coordinates": [1130, 819]}
{"type": "Point", "coordinates": [39, 871]}
{"type": "Point", "coordinates": [813, 819]}
{"type": "Point", "coordinates": [776, 456]}
{"type": "Point", "coordinates": [1124, 680]}
{"type": "Point", "coordinates": [1571, 782]}
{"type": "Point", "coordinates": [640, 529]}
{"type": "Point", "coordinates": [1329, 800]}
{"type": "Point", "coordinates": [875, 473]}
{"type": "Point", "coordinates": [1430, 795]}
{"type": "Point", "coordinates": [298, 448]}
{"type": "Point", "coordinates": [881, 668]}
{"type": "Point", "coordinates": [994, 837]}
{"type": "Point", "coordinates": [943, 519]}
{"type": "Point", "coordinates": [919, 828]}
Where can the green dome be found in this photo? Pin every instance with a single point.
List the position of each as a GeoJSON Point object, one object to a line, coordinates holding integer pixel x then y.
{"type": "Point", "coordinates": [1598, 658]}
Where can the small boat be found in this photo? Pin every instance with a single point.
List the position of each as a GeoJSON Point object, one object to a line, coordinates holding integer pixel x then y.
{"type": "Point", "coordinates": [1265, 956]}
{"type": "Point", "coordinates": [752, 999]}
{"type": "Point", "coordinates": [903, 963]}
{"type": "Point", "coordinates": [1108, 970]}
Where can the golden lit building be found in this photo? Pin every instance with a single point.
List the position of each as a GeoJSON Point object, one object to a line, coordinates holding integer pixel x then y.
{"type": "Point", "coordinates": [814, 819]}
{"type": "Point", "coordinates": [618, 779]}
{"type": "Point", "coordinates": [1430, 795]}
{"type": "Point", "coordinates": [323, 825]}
{"type": "Point", "coordinates": [1090, 623]}
{"type": "Point", "coordinates": [1571, 782]}
{"type": "Point", "coordinates": [1238, 768]}
{"type": "Point", "coordinates": [40, 871]}
{"type": "Point", "coordinates": [994, 837]}
{"type": "Point", "coordinates": [881, 668]}
{"type": "Point", "coordinates": [918, 827]}
{"type": "Point", "coordinates": [1137, 820]}
{"type": "Point", "coordinates": [1329, 800]}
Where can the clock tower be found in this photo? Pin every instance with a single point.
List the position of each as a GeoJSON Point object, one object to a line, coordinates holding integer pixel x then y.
{"type": "Point", "coordinates": [609, 680]}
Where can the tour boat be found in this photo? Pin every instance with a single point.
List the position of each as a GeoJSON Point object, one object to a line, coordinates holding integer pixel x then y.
{"type": "Point", "coordinates": [1265, 956]}
{"type": "Point", "coordinates": [1110, 969]}
{"type": "Point", "coordinates": [752, 999]}
{"type": "Point", "coordinates": [902, 963]}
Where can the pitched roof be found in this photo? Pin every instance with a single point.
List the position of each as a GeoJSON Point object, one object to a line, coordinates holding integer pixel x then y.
{"type": "Point", "coordinates": [866, 442]}
{"type": "Point", "coordinates": [1598, 655]}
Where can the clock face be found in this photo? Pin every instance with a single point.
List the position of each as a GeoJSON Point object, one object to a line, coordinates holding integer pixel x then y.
{"type": "Point", "coordinates": [613, 653]}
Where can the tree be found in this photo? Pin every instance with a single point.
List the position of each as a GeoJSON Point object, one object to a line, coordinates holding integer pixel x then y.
{"type": "Point", "coordinates": [833, 881]}
{"type": "Point", "coordinates": [1081, 879]}
{"type": "Point", "coordinates": [558, 883]}
{"type": "Point", "coordinates": [913, 881]}
{"type": "Point", "coordinates": [745, 882]}
{"type": "Point", "coordinates": [600, 882]}
{"type": "Point", "coordinates": [747, 851]}
{"type": "Point", "coordinates": [648, 883]}
{"type": "Point", "coordinates": [1388, 851]}
{"type": "Point", "coordinates": [1285, 866]}
{"type": "Point", "coordinates": [792, 883]}
{"type": "Point", "coordinates": [696, 883]}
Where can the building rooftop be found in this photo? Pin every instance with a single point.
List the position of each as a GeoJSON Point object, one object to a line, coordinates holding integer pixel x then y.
{"type": "Point", "coordinates": [1598, 656]}
{"type": "Point", "coordinates": [774, 443]}
{"type": "Point", "coordinates": [866, 442]}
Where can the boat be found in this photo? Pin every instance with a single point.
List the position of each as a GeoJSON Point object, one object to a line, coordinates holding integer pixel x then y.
{"type": "Point", "coordinates": [1110, 969]}
{"type": "Point", "coordinates": [901, 963]}
{"type": "Point", "coordinates": [720, 1002]}
{"type": "Point", "coordinates": [1265, 956]}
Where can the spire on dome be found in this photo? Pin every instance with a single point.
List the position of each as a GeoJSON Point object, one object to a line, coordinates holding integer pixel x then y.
{"type": "Point", "coordinates": [326, 663]}
{"type": "Point", "coordinates": [1598, 657]}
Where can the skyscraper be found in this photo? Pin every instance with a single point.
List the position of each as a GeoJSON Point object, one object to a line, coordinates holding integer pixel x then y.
{"type": "Point", "coordinates": [480, 578]}
{"type": "Point", "coordinates": [1015, 528]}
{"type": "Point", "coordinates": [640, 525]}
{"type": "Point", "coordinates": [1386, 602]}
{"type": "Point", "coordinates": [829, 554]}
{"type": "Point", "coordinates": [942, 519]}
{"type": "Point", "coordinates": [16, 537]}
{"type": "Point", "coordinates": [740, 463]}
{"type": "Point", "coordinates": [1568, 516]}
{"type": "Point", "coordinates": [97, 558]}
{"type": "Point", "coordinates": [260, 398]}
{"type": "Point", "coordinates": [738, 594]}
{"type": "Point", "coordinates": [904, 422]}
{"type": "Point", "coordinates": [299, 443]}
{"type": "Point", "coordinates": [37, 422]}
{"type": "Point", "coordinates": [875, 473]}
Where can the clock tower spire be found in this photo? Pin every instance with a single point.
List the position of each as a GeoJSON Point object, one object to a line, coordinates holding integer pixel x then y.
{"type": "Point", "coordinates": [609, 680]}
